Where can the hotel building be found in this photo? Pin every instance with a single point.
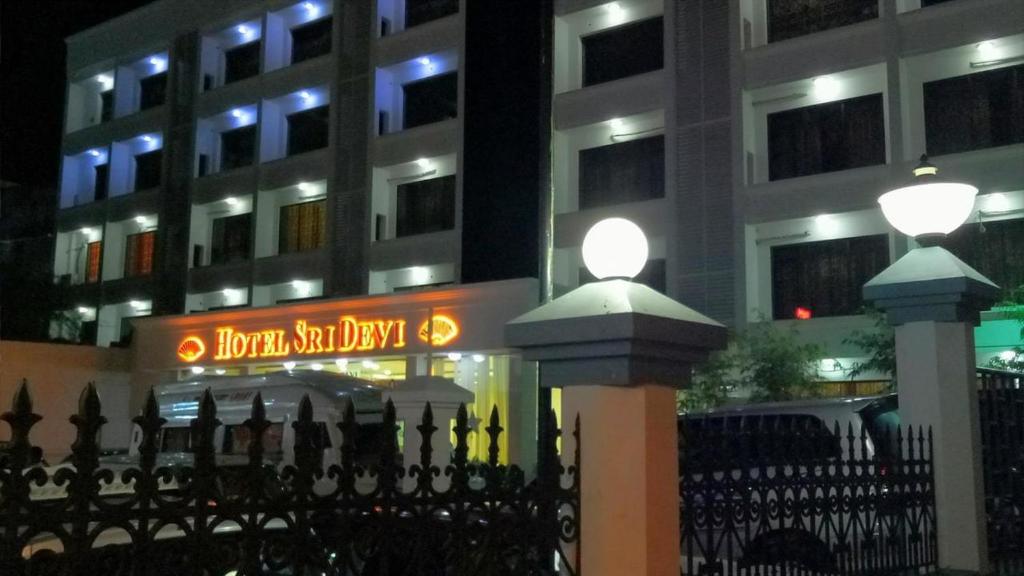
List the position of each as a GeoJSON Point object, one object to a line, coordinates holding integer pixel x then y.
{"type": "Point", "coordinates": [235, 168]}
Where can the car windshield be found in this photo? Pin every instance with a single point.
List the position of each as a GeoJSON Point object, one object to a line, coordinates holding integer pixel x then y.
{"type": "Point", "coordinates": [759, 438]}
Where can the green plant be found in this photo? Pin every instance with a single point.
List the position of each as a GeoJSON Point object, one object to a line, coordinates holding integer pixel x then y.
{"type": "Point", "coordinates": [879, 344]}
{"type": "Point", "coordinates": [1013, 302]}
{"type": "Point", "coordinates": [770, 361]}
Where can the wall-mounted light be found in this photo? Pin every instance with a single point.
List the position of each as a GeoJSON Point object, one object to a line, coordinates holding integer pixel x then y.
{"type": "Point", "coordinates": [220, 371]}
{"type": "Point", "coordinates": [197, 370]}
{"type": "Point", "coordinates": [478, 358]}
{"type": "Point", "coordinates": [825, 87]}
{"type": "Point", "coordinates": [997, 202]}
{"type": "Point", "coordinates": [138, 304]}
{"type": "Point", "coordinates": [94, 153]}
{"type": "Point", "coordinates": [83, 310]}
{"type": "Point", "coordinates": [370, 365]}
{"type": "Point", "coordinates": [243, 29]}
{"type": "Point", "coordinates": [140, 219]}
{"type": "Point", "coordinates": [305, 95]}
{"type": "Point", "coordinates": [826, 223]}
{"type": "Point", "coordinates": [423, 163]}
{"type": "Point", "coordinates": [987, 48]}
{"type": "Point", "coordinates": [229, 293]}
{"type": "Point", "coordinates": [86, 230]}
{"type": "Point", "coordinates": [159, 64]}
{"type": "Point", "coordinates": [342, 364]}
{"type": "Point", "coordinates": [106, 81]}
{"type": "Point", "coordinates": [237, 113]}
{"type": "Point", "coordinates": [147, 138]}
{"type": "Point", "coordinates": [454, 356]}
{"type": "Point", "coordinates": [420, 274]}
{"type": "Point", "coordinates": [289, 366]}
{"type": "Point", "coordinates": [231, 201]}
{"type": "Point", "coordinates": [316, 366]}
{"type": "Point", "coordinates": [616, 123]}
{"type": "Point", "coordinates": [616, 13]}
{"type": "Point", "coordinates": [311, 9]}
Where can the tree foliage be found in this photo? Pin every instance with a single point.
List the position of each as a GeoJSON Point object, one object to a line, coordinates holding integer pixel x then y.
{"type": "Point", "coordinates": [879, 344]}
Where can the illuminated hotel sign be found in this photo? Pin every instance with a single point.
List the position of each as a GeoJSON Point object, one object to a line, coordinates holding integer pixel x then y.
{"type": "Point", "coordinates": [348, 334]}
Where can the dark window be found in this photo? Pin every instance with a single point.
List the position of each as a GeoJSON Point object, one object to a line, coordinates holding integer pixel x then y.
{"type": "Point", "coordinates": [826, 137]}
{"type": "Point", "coordinates": [927, 3]}
{"type": "Point", "coordinates": [230, 239]}
{"type": "Point", "coordinates": [241, 62]}
{"type": "Point", "coordinates": [431, 100]}
{"type": "Point", "coordinates": [237, 439]}
{"type": "Point", "coordinates": [237, 147]}
{"type": "Point", "coordinates": [147, 170]}
{"type": "Point", "coordinates": [302, 227]}
{"type": "Point", "coordinates": [152, 90]}
{"type": "Point", "coordinates": [106, 105]}
{"type": "Point", "coordinates": [975, 111]}
{"type": "Point", "coordinates": [996, 249]}
{"type": "Point", "coordinates": [767, 438]}
{"type": "Point", "coordinates": [92, 262]}
{"type": "Point", "coordinates": [138, 254]}
{"type": "Point", "coordinates": [426, 206]}
{"type": "Point", "coordinates": [419, 11]}
{"type": "Point", "coordinates": [652, 276]}
{"type": "Point", "coordinates": [623, 51]}
{"type": "Point", "coordinates": [825, 277]}
{"type": "Point", "coordinates": [792, 18]}
{"type": "Point", "coordinates": [624, 172]}
{"type": "Point", "coordinates": [311, 40]}
{"type": "Point", "coordinates": [307, 130]}
{"type": "Point", "coordinates": [101, 180]}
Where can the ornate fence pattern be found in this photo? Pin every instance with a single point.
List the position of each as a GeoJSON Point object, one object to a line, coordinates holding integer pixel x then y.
{"type": "Point", "coordinates": [1001, 409]}
{"type": "Point", "coordinates": [300, 519]}
{"type": "Point", "coordinates": [806, 501]}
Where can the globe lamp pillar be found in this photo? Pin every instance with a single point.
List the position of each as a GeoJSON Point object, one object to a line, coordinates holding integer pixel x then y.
{"type": "Point", "coordinates": [619, 351]}
{"type": "Point", "coordinates": [934, 301]}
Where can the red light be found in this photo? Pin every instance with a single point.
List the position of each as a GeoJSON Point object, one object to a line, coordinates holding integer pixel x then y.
{"type": "Point", "coordinates": [802, 313]}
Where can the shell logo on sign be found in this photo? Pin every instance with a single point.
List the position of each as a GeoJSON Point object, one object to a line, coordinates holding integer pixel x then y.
{"type": "Point", "coordinates": [444, 330]}
{"type": "Point", "coordinates": [191, 349]}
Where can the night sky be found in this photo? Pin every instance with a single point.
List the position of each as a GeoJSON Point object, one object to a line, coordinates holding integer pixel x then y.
{"type": "Point", "coordinates": [32, 75]}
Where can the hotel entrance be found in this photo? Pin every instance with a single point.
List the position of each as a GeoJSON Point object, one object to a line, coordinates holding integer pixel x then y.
{"type": "Point", "coordinates": [455, 333]}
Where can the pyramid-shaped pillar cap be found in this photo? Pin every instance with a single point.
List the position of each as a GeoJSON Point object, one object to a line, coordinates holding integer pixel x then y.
{"type": "Point", "coordinates": [931, 284]}
{"type": "Point", "coordinates": [615, 333]}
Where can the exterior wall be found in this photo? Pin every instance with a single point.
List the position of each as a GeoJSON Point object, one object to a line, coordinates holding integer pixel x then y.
{"type": "Point", "coordinates": [57, 374]}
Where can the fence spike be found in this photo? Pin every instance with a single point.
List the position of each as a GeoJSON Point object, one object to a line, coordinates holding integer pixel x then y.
{"type": "Point", "coordinates": [494, 430]}
{"type": "Point", "coordinates": [426, 429]}
{"type": "Point", "coordinates": [257, 424]}
{"type": "Point", "coordinates": [21, 419]}
{"type": "Point", "coordinates": [85, 450]}
{"type": "Point", "coordinates": [307, 457]}
{"type": "Point", "coordinates": [150, 422]}
{"type": "Point", "coordinates": [203, 428]}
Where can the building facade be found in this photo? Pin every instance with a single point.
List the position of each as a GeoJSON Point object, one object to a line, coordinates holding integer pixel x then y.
{"type": "Point", "coordinates": [752, 138]}
{"type": "Point", "coordinates": [258, 153]}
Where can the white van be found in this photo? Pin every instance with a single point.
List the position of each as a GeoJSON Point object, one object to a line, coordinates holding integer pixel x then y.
{"type": "Point", "coordinates": [281, 392]}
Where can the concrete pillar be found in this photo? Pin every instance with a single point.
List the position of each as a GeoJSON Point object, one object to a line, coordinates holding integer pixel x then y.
{"type": "Point", "coordinates": [934, 301]}
{"type": "Point", "coordinates": [620, 350]}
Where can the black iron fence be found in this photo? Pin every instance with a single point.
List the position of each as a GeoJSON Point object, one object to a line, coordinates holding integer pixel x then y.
{"type": "Point", "coordinates": [1001, 409]}
{"type": "Point", "coordinates": [258, 518]}
{"type": "Point", "coordinates": [805, 500]}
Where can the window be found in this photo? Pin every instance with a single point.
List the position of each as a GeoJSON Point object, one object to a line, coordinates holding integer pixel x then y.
{"type": "Point", "coordinates": [624, 172]}
{"type": "Point", "coordinates": [106, 105]}
{"type": "Point", "coordinates": [152, 91]}
{"type": "Point", "coordinates": [307, 130]}
{"type": "Point", "coordinates": [826, 137]}
{"type": "Point", "coordinates": [975, 111]}
{"type": "Point", "coordinates": [92, 262]}
{"type": "Point", "coordinates": [302, 227]}
{"type": "Point", "coordinates": [147, 170]}
{"type": "Point", "coordinates": [420, 11]}
{"type": "Point", "coordinates": [431, 100]}
{"type": "Point", "coordinates": [101, 180]}
{"type": "Point", "coordinates": [426, 206]}
{"type": "Point", "coordinates": [138, 254]}
{"type": "Point", "coordinates": [652, 276]}
{"type": "Point", "coordinates": [311, 40]}
{"type": "Point", "coordinates": [238, 437]}
{"type": "Point", "coordinates": [825, 277]}
{"type": "Point", "coordinates": [242, 62]}
{"type": "Point", "coordinates": [176, 440]}
{"type": "Point", "coordinates": [623, 51]}
{"type": "Point", "coordinates": [792, 18]}
{"type": "Point", "coordinates": [237, 147]}
{"type": "Point", "coordinates": [993, 248]}
{"type": "Point", "coordinates": [230, 239]}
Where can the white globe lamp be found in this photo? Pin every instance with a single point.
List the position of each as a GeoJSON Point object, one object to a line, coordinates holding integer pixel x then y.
{"type": "Point", "coordinates": [615, 248]}
{"type": "Point", "coordinates": [929, 208]}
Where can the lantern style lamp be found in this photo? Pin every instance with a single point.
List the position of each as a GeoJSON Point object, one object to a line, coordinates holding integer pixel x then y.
{"type": "Point", "coordinates": [929, 208]}
{"type": "Point", "coordinates": [615, 248]}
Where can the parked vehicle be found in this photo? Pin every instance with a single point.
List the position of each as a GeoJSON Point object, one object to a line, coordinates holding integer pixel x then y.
{"type": "Point", "coordinates": [747, 466]}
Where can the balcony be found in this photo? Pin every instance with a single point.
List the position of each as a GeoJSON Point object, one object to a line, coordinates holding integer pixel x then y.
{"type": "Point", "coordinates": [792, 18]}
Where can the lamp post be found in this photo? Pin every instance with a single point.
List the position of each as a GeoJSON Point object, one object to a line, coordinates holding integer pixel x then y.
{"type": "Point", "coordinates": [934, 300]}
{"type": "Point", "coordinates": [619, 350]}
